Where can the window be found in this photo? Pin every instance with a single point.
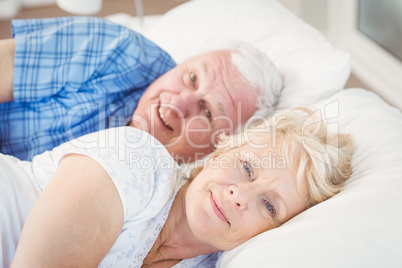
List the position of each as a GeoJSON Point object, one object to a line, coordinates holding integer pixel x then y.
{"type": "Point", "coordinates": [381, 21]}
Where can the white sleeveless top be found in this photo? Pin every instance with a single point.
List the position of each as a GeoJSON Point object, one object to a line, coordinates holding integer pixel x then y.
{"type": "Point", "coordinates": [142, 170]}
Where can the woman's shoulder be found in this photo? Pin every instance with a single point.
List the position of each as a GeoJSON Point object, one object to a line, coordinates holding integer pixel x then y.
{"type": "Point", "coordinates": [127, 143]}
{"type": "Point", "coordinates": [139, 165]}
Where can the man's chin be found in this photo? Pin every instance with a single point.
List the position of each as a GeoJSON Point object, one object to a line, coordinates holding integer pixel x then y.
{"type": "Point", "coordinates": [138, 125]}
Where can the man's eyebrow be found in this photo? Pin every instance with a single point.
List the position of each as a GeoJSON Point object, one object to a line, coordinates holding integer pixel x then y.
{"type": "Point", "coordinates": [205, 67]}
{"type": "Point", "coordinates": [186, 69]}
{"type": "Point", "coordinates": [220, 108]}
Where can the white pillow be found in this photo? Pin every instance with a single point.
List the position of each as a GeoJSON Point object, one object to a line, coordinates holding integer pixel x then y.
{"type": "Point", "coordinates": [362, 225]}
{"type": "Point", "coordinates": [311, 67]}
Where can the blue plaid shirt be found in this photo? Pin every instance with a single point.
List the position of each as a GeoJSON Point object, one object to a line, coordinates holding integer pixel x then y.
{"type": "Point", "coordinates": [73, 76]}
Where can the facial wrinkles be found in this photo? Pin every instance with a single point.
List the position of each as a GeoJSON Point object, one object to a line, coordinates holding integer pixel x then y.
{"type": "Point", "coordinates": [217, 81]}
{"type": "Point", "coordinates": [250, 216]}
{"type": "Point", "coordinates": [268, 187]}
{"type": "Point", "coordinates": [284, 214]}
{"type": "Point", "coordinates": [212, 85]}
{"type": "Point", "coordinates": [277, 201]}
{"type": "Point", "coordinates": [216, 119]}
{"type": "Point", "coordinates": [226, 76]}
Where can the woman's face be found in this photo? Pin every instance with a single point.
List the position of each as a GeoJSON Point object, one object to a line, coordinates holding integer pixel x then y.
{"type": "Point", "coordinates": [242, 193]}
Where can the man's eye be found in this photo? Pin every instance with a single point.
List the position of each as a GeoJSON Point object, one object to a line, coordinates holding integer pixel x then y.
{"type": "Point", "coordinates": [247, 168]}
{"type": "Point", "coordinates": [270, 207]}
{"type": "Point", "coordinates": [208, 113]}
{"type": "Point", "coordinates": [193, 78]}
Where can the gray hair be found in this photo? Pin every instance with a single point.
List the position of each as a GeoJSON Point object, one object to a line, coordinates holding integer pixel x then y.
{"type": "Point", "coordinates": [257, 69]}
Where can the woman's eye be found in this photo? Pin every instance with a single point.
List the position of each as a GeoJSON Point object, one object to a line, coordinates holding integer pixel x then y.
{"type": "Point", "coordinates": [193, 78]}
{"type": "Point", "coordinates": [270, 207]}
{"type": "Point", "coordinates": [208, 113]}
{"type": "Point", "coordinates": [247, 168]}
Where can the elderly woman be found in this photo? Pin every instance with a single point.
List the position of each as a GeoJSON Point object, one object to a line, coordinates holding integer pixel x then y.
{"type": "Point", "coordinates": [106, 201]}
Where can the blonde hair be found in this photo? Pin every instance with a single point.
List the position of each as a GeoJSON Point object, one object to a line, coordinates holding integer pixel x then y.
{"type": "Point", "coordinates": [320, 158]}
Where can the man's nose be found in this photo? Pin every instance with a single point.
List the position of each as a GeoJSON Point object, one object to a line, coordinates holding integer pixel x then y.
{"type": "Point", "coordinates": [186, 102]}
{"type": "Point", "coordinates": [241, 194]}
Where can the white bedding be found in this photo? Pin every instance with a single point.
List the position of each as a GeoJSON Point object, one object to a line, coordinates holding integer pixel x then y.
{"type": "Point", "coordinates": [361, 226]}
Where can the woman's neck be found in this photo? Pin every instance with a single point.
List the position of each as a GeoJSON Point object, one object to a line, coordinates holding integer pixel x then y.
{"type": "Point", "coordinates": [176, 241]}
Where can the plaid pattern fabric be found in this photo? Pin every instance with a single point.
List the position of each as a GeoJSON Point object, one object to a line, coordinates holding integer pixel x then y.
{"type": "Point", "coordinates": [73, 76]}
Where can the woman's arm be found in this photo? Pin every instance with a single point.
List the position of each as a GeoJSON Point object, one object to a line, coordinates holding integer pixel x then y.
{"type": "Point", "coordinates": [7, 50]}
{"type": "Point", "coordinates": [75, 221]}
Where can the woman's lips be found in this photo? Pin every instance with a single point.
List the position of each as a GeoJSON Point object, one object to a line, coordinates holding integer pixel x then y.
{"type": "Point", "coordinates": [217, 210]}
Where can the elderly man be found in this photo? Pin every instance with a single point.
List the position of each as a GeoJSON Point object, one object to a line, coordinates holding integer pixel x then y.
{"type": "Point", "coordinates": [65, 77]}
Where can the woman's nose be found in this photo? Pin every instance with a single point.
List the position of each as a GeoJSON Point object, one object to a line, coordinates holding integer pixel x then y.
{"type": "Point", "coordinates": [241, 194]}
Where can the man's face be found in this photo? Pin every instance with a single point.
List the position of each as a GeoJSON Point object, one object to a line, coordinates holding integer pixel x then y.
{"type": "Point", "coordinates": [188, 107]}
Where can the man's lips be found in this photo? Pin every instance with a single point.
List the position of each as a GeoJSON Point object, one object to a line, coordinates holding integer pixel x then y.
{"type": "Point", "coordinates": [218, 210]}
{"type": "Point", "coordinates": [163, 119]}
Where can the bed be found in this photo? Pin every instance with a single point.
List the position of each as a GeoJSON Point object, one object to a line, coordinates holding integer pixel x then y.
{"type": "Point", "coordinates": [362, 225]}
